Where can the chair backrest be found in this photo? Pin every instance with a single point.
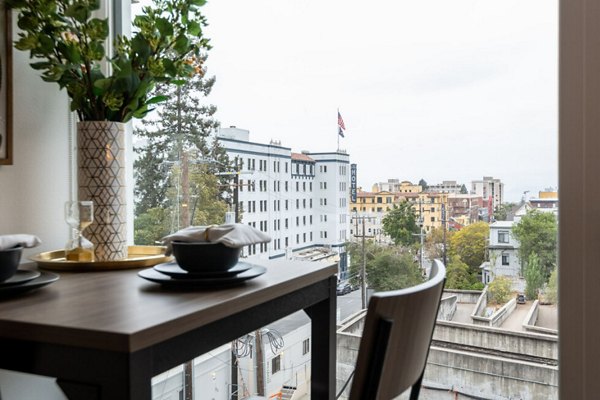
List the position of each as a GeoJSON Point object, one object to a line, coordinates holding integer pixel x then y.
{"type": "Point", "coordinates": [396, 337]}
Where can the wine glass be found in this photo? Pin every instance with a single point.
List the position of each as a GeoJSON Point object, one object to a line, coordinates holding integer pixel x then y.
{"type": "Point", "coordinates": [79, 215]}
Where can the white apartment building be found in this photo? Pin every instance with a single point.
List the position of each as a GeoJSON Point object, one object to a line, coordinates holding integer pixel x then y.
{"type": "Point", "coordinates": [487, 188]}
{"type": "Point", "coordinates": [299, 199]}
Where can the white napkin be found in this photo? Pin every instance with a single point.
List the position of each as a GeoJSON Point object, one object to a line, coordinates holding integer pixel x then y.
{"type": "Point", "coordinates": [10, 241]}
{"type": "Point", "coordinates": [231, 235]}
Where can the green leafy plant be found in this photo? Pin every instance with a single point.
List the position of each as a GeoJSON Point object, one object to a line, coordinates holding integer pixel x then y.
{"type": "Point", "coordinates": [499, 290]}
{"type": "Point", "coordinates": [68, 45]}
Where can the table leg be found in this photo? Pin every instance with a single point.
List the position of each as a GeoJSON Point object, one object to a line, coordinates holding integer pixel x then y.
{"type": "Point", "coordinates": [323, 352]}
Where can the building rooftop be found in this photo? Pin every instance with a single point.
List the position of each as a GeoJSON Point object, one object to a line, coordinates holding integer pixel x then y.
{"type": "Point", "coordinates": [301, 157]}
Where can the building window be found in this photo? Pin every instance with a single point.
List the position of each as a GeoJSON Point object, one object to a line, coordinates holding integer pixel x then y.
{"type": "Point", "coordinates": [505, 260]}
{"type": "Point", "coordinates": [305, 346]}
{"type": "Point", "coordinates": [503, 237]}
{"type": "Point", "coordinates": [275, 364]}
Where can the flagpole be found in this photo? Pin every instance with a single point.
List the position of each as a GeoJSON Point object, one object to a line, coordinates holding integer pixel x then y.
{"type": "Point", "coordinates": [337, 132]}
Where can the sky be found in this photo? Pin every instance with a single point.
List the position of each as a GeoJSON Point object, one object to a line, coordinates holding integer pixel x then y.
{"type": "Point", "coordinates": [433, 89]}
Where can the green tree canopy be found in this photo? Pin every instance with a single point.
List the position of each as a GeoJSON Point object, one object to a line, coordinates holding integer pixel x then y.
{"type": "Point", "coordinates": [463, 189]}
{"type": "Point", "coordinates": [500, 290]}
{"type": "Point", "coordinates": [503, 210]}
{"type": "Point", "coordinates": [400, 224]}
{"type": "Point", "coordinates": [457, 274]}
{"type": "Point", "coordinates": [534, 277]}
{"type": "Point", "coordinates": [538, 232]}
{"type": "Point", "coordinates": [434, 243]}
{"type": "Point", "coordinates": [470, 244]}
{"type": "Point", "coordinates": [551, 292]}
{"type": "Point", "coordinates": [392, 270]}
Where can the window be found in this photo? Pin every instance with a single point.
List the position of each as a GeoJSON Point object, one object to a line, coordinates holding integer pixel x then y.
{"type": "Point", "coordinates": [304, 186]}
{"type": "Point", "coordinates": [503, 237]}
{"type": "Point", "coordinates": [505, 259]}
{"type": "Point", "coordinates": [275, 364]}
{"type": "Point", "coordinates": [305, 346]}
{"type": "Point", "coordinates": [297, 204]}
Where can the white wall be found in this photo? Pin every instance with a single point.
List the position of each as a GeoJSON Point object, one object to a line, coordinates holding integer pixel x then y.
{"type": "Point", "coordinates": [33, 190]}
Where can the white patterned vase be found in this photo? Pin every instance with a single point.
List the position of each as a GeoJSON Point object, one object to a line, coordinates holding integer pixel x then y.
{"type": "Point", "coordinates": [101, 179]}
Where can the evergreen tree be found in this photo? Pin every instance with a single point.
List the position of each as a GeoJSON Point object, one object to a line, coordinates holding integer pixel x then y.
{"type": "Point", "coordinates": [423, 184]}
{"type": "Point", "coordinates": [534, 276]}
{"type": "Point", "coordinates": [182, 128]}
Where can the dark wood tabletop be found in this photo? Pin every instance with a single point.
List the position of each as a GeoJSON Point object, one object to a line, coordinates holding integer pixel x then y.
{"type": "Point", "coordinates": [119, 312]}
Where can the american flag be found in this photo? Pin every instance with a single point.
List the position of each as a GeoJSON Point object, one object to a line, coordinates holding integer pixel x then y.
{"type": "Point", "coordinates": [341, 121]}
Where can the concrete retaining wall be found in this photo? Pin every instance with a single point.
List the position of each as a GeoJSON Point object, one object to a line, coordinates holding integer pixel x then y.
{"type": "Point", "coordinates": [503, 313]}
{"type": "Point", "coordinates": [464, 296]}
{"type": "Point", "coordinates": [489, 377]}
{"type": "Point", "coordinates": [525, 343]}
{"type": "Point", "coordinates": [530, 321]}
{"type": "Point", "coordinates": [447, 308]}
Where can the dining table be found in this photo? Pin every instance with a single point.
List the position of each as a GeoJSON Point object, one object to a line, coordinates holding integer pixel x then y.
{"type": "Point", "coordinates": [105, 334]}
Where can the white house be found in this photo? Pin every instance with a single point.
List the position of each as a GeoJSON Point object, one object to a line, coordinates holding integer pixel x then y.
{"type": "Point", "coordinates": [503, 251]}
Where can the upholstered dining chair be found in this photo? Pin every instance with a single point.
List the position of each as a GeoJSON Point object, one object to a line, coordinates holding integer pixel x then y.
{"type": "Point", "coordinates": [396, 337]}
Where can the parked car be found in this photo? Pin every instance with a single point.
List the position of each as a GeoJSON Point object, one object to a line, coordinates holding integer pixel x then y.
{"type": "Point", "coordinates": [521, 298]}
{"type": "Point", "coordinates": [343, 288]}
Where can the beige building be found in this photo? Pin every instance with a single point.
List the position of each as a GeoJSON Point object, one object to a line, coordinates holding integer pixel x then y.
{"type": "Point", "coordinates": [397, 186]}
{"type": "Point", "coordinates": [427, 207]}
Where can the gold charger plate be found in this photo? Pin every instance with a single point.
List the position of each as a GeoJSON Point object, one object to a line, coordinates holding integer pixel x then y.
{"type": "Point", "coordinates": [138, 257]}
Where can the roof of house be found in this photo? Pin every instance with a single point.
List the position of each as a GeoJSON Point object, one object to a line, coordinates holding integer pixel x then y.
{"type": "Point", "coordinates": [301, 157]}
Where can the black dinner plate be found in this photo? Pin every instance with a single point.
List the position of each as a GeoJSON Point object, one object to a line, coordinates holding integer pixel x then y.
{"type": "Point", "coordinates": [20, 277]}
{"type": "Point", "coordinates": [44, 279]}
{"type": "Point", "coordinates": [175, 271]}
{"type": "Point", "coordinates": [201, 282]}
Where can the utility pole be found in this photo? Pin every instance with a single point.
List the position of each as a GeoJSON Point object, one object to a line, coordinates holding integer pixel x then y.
{"type": "Point", "coordinates": [185, 190]}
{"type": "Point", "coordinates": [260, 367]}
{"type": "Point", "coordinates": [421, 235]}
{"type": "Point", "coordinates": [363, 269]}
{"type": "Point", "coordinates": [444, 221]}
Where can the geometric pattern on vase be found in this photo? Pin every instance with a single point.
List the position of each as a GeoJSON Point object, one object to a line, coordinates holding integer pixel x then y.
{"type": "Point", "coordinates": [101, 179]}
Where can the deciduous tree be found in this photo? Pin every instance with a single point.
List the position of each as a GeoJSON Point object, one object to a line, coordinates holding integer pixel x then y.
{"type": "Point", "coordinates": [400, 224]}
{"type": "Point", "coordinates": [470, 244]}
{"type": "Point", "coordinates": [537, 232]}
{"type": "Point", "coordinates": [392, 270]}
